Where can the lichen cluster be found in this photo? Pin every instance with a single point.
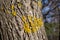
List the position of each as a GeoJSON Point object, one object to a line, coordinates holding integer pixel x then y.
{"type": "Point", "coordinates": [11, 10]}
{"type": "Point", "coordinates": [32, 24]}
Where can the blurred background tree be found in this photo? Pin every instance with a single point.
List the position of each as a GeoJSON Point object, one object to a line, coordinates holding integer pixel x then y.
{"type": "Point", "coordinates": [51, 12]}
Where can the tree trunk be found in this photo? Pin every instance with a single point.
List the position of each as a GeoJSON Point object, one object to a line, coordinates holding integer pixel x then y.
{"type": "Point", "coordinates": [21, 20]}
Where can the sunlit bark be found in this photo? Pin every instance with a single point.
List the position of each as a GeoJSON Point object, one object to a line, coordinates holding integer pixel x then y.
{"type": "Point", "coordinates": [12, 24]}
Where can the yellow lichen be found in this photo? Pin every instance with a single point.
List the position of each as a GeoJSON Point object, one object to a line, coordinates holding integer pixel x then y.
{"type": "Point", "coordinates": [14, 13]}
{"type": "Point", "coordinates": [19, 5]}
{"type": "Point", "coordinates": [26, 24]}
{"type": "Point", "coordinates": [30, 18]}
{"type": "Point", "coordinates": [33, 25]}
{"type": "Point", "coordinates": [40, 22]}
{"type": "Point", "coordinates": [28, 30]}
{"type": "Point", "coordinates": [35, 21]}
{"type": "Point", "coordinates": [26, 27]}
{"type": "Point", "coordinates": [24, 18]}
{"type": "Point", "coordinates": [39, 4]}
{"type": "Point", "coordinates": [12, 7]}
{"type": "Point", "coordinates": [34, 29]}
{"type": "Point", "coordinates": [37, 28]}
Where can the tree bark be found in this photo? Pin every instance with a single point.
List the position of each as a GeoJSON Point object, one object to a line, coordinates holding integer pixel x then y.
{"type": "Point", "coordinates": [12, 24]}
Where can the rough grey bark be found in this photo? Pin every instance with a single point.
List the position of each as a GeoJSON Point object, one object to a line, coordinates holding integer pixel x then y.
{"type": "Point", "coordinates": [11, 27]}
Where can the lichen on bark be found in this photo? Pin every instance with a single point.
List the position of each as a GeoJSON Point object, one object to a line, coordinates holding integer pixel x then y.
{"type": "Point", "coordinates": [11, 25]}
